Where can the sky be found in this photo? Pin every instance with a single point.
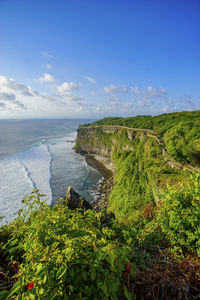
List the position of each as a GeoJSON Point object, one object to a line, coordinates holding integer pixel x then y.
{"type": "Point", "coordinates": [98, 58]}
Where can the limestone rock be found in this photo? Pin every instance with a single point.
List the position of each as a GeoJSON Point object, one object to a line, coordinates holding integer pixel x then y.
{"type": "Point", "coordinates": [74, 200]}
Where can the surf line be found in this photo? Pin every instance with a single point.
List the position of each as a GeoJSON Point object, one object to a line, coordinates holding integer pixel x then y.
{"type": "Point", "coordinates": [50, 171]}
{"type": "Point", "coordinates": [29, 175]}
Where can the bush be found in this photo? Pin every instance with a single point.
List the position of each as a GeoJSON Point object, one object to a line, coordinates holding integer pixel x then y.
{"type": "Point", "coordinates": [177, 218]}
{"type": "Point", "coordinates": [64, 254]}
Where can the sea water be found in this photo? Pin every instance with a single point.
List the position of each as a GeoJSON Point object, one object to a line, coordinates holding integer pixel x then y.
{"type": "Point", "coordinates": [38, 154]}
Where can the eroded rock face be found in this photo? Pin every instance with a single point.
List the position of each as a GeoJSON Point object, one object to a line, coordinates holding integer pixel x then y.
{"type": "Point", "coordinates": [101, 142]}
{"type": "Point", "coordinates": [73, 200]}
{"type": "Point", "coordinates": [88, 142]}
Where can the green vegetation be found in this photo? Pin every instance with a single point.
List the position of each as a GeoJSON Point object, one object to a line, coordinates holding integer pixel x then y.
{"type": "Point", "coordinates": [151, 249]}
{"type": "Point", "coordinates": [140, 174]}
{"type": "Point", "coordinates": [65, 254]}
{"type": "Point", "coordinates": [179, 131]}
{"type": "Point", "coordinates": [56, 253]}
{"type": "Point", "coordinates": [177, 217]}
{"type": "Point", "coordinates": [140, 168]}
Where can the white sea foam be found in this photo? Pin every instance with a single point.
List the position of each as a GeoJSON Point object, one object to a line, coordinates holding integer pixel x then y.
{"type": "Point", "coordinates": [51, 163]}
{"type": "Point", "coordinates": [14, 185]}
{"type": "Point", "coordinates": [37, 163]}
{"type": "Point", "coordinates": [19, 174]}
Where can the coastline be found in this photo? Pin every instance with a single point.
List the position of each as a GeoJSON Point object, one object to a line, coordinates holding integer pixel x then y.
{"type": "Point", "coordinates": [93, 162]}
{"type": "Point", "coordinates": [106, 183]}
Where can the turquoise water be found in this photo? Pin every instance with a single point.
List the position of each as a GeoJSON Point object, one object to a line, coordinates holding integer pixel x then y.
{"type": "Point", "coordinates": [39, 154]}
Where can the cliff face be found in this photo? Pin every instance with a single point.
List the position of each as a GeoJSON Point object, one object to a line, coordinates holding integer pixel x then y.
{"type": "Point", "coordinates": [138, 161]}
{"type": "Point", "coordinates": [88, 142]}
{"type": "Point", "coordinates": [101, 142]}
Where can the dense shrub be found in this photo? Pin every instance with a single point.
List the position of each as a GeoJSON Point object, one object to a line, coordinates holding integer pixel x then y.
{"type": "Point", "coordinates": [57, 253]}
{"type": "Point", "coordinates": [177, 219]}
{"type": "Point", "coordinates": [64, 254]}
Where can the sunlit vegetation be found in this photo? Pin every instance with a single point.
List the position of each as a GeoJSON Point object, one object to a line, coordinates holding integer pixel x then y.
{"type": "Point", "coordinates": [180, 132]}
{"type": "Point", "coordinates": [150, 250]}
{"type": "Point", "coordinates": [141, 169]}
{"type": "Point", "coordinates": [63, 254]}
{"type": "Point", "coordinates": [56, 253]}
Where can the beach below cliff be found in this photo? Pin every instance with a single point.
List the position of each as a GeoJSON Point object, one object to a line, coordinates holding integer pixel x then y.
{"type": "Point", "coordinates": [104, 185]}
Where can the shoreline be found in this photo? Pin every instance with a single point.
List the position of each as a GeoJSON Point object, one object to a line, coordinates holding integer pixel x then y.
{"type": "Point", "coordinates": [97, 165]}
{"type": "Point", "coordinates": [106, 182]}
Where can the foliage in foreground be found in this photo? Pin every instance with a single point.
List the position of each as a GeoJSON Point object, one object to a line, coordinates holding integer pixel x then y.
{"type": "Point", "coordinates": [57, 253]}
{"type": "Point", "coordinates": [166, 280]}
{"type": "Point", "coordinates": [64, 254]}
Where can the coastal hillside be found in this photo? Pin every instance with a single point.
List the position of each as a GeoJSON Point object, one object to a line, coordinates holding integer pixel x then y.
{"type": "Point", "coordinates": [143, 242]}
{"type": "Point", "coordinates": [144, 161]}
{"type": "Point", "coordinates": [179, 132]}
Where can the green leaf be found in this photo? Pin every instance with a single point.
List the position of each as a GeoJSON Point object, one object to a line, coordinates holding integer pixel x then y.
{"type": "Point", "coordinates": [40, 268]}
{"type": "Point", "coordinates": [93, 273]}
{"type": "Point", "coordinates": [84, 275]}
{"type": "Point", "coordinates": [128, 295]}
{"type": "Point", "coordinates": [61, 272]}
{"type": "Point", "coordinates": [15, 289]}
{"type": "Point", "coordinates": [3, 295]}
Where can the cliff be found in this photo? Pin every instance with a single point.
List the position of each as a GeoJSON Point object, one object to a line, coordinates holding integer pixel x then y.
{"type": "Point", "coordinates": [73, 200]}
{"type": "Point", "coordinates": [101, 141]}
{"type": "Point", "coordinates": [139, 161]}
{"type": "Point", "coordinates": [151, 250]}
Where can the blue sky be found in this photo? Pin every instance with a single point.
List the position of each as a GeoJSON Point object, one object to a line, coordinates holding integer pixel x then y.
{"type": "Point", "coordinates": [92, 58]}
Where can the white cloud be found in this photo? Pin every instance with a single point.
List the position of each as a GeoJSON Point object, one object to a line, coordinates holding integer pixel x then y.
{"type": "Point", "coordinates": [11, 91]}
{"type": "Point", "coordinates": [48, 66]}
{"type": "Point", "coordinates": [150, 92]}
{"type": "Point", "coordinates": [155, 93]}
{"type": "Point", "coordinates": [113, 98]}
{"type": "Point", "coordinates": [145, 102]}
{"type": "Point", "coordinates": [9, 84]}
{"type": "Point", "coordinates": [135, 89]}
{"type": "Point", "coordinates": [42, 96]}
{"type": "Point", "coordinates": [97, 109]}
{"type": "Point", "coordinates": [165, 109]}
{"type": "Point", "coordinates": [2, 104]}
{"type": "Point", "coordinates": [9, 101]}
{"type": "Point", "coordinates": [46, 54]}
{"type": "Point", "coordinates": [46, 78]}
{"type": "Point", "coordinates": [127, 105]}
{"type": "Point", "coordinates": [113, 89]}
{"type": "Point", "coordinates": [93, 94]}
{"type": "Point", "coordinates": [8, 89]}
{"type": "Point", "coordinates": [66, 87]}
{"type": "Point", "coordinates": [19, 100]}
{"type": "Point", "coordinates": [90, 79]}
{"type": "Point", "coordinates": [7, 97]}
{"type": "Point", "coordinates": [19, 104]}
{"type": "Point", "coordinates": [67, 97]}
{"type": "Point", "coordinates": [63, 100]}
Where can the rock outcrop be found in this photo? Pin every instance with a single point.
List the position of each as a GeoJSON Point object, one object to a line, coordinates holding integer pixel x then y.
{"type": "Point", "coordinates": [98, 142]}
{"type": "Point", "coordinates": [73, 200]}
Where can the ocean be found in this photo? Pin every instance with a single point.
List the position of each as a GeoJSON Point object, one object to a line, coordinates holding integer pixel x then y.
{"type": "Point", "coordinates": [39, 154]}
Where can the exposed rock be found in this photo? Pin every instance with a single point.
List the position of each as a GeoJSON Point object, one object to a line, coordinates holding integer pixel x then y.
{"type": "Point", "coordinates": [93, 161]}
{"type": "Point", "coordinates": [131, 134]}
{"type": "Point", "coordinates": [88, 143]}
{"type": "Point", "coordinates": [105, 189]}
{"type": "Point", "coordinates": [74, 200]}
